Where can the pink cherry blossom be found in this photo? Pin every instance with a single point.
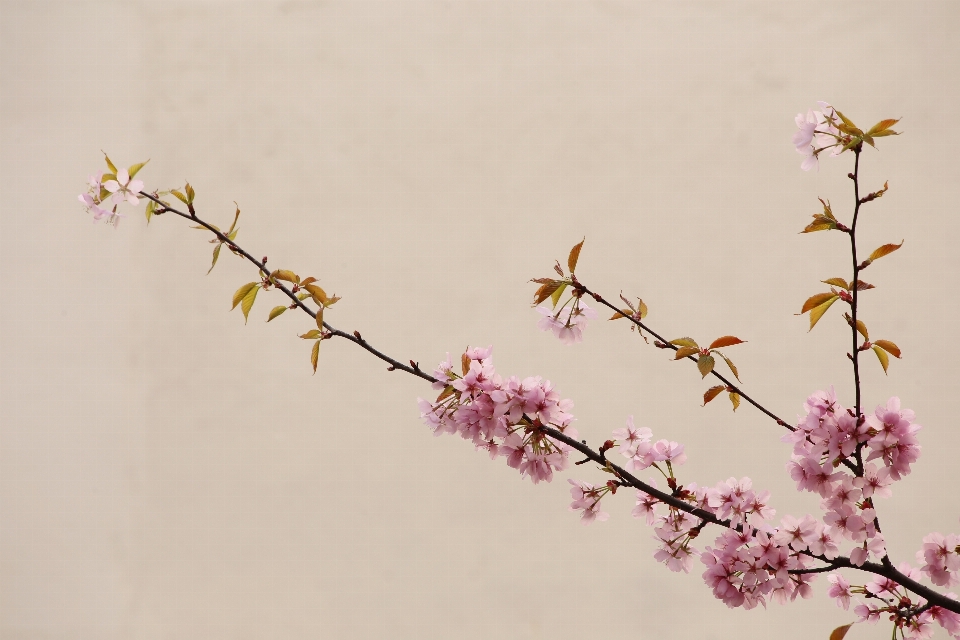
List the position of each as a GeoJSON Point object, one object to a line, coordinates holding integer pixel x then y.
{"type": "Point", "coordinates": [586, 499]}
{"type": "Point", "coordinates": [840, 590]}
{"type": "Point", "coordinates": [123, 188]}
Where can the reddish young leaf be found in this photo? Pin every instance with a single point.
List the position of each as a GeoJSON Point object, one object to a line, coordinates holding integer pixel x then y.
{"type": "Point", "coordinates": [889, 347]}
{"type": "Point", "coordinates": [840, 632]}
{"type": "Point", "coordinates": [574, 256]}
{"type": "Point", "coordinates": [863, 286]}
{"type": "Point", "coordinates": [546, 290]}
{"type": "Point", "coordinates": [712, 393]}
{"type": "Point", "coordinates": [886, 249]}
{"type": "Point", "coordinates": [465, 364]}
{"type": "Point", "coordinates": [446, 393]}
{"type": "Point", "coordinates": [725, 341]}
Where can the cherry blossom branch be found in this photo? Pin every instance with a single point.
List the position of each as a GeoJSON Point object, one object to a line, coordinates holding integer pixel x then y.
{"type": "Point", "coordinates": [413, 368]}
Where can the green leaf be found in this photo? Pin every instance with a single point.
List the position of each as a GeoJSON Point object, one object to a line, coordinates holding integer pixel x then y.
{"type": "Point", "coordinates": [135, 168]}
{"type": "Point", "coordinates": [735, 400]}
{"type": "Point", "coordinates": [817, 312]}
{"type": "Point", "coordinates": [685, 342]}
{"type": "Point", "coordinates": [191, 194]}
{"type": "Point", "coordinates": [725, 341]}
{"type": "Point", "coordinates": [555, 296]}
{"type": "Point", "coordinates": [247, 303]}
{"type": "Point", "coordinates": [236, 217]}
{"type": "Point", "coordinates": [276, 311]}
{"type": "Point", "coordinates": [889, 347]}
{"type": "Point", "coordinates": [840, 632]}
{"type": "Point", "coordinates": [151, 207]}
{"type": "Point", "coordinates": [241, 292]}
{"type": "Point", "coordinates": [730, 364]}
{"type": "Point", "coordinates": [113, 167]}
{"type": "Point", "coordinates": [574, 256]}
{"type": "Point", "coordinates": [216, 256]}
{"type": "Point", "coordinates": [182, 198]}
{"type": "Point", "coordinates": [685, 352]}
{"type": "Point", "coordinates": [712, 393]}
{"type": "Point", "coordinates": [315, 355]}
{"type": "Point", "coordinates": [705, 365]}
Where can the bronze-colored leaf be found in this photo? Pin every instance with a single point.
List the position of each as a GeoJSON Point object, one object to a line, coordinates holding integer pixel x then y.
{"type": "Point", "coordinates": [882, 357]}
{"type": "Point", "coordinates": [276, 311]}
{"type": "Point", "coordinates": [464, 364]}
{"type": "Point", "coordinates": [241, 292]}
{"type": "Point", "coordinates": [815, 301]}
{"type": "Point", "coordinates": [574, 256]}
{"type": "Point", "coordinates": [446, 393]}
{"type": "Point", "coordinates": [735, 400]}
{"type": "Point", "coordinates": [817, 312]}
{"type": "Point", "coordinates": [247, 303]}
{"type": "Point", "coordinates": [725, 341]}
{"type": "Point", "coordinates": [730, 364]}
{"type": "Point", "coordinates": [685, 342]}
{"type": "Point", "coordinates": [712, 393]}
{"type": "Point", "coordinates": [284, 274]}
{"type": "Point", "coordinates": [216, 256]}
{"type": "Point", "coordinates": [319, 318]}
{"type": "Point", "coordinates": [315, 355]}
{"type": "Point", "coordinates": [883, 125]}
{"type": "Point", "coordinates": [546, 290]}
{"type": "Point", "coordinates": [840, 632]}
{"type": "Point", "coordinates": [685, 352]}
{"type": "Point", "coordinates": [135, 168]}
{"type": "Point", "coordinates": [886, 249]}
{"type": "Point", "coordinates": [889, 347]}
{"type": "Point", "coordinates": [705, 365]}
{"type": "Point", "coordinates": [313, 334]}
{"type": "Point", "coordinates": [837, 282]}
{"type": "Point", "coordinates": [863, 286]}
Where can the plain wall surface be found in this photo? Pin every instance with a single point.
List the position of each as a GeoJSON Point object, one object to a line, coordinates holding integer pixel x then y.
{"type": "Point", "coordinates": [168, 472]}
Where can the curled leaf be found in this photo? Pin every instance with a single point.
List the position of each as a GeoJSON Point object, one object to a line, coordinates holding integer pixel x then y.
{"type": "Point", "coordinates": [315, 355]}
{"type": "Point", "coordinates": [276, 311]}
{"type": "Point", "coordinates": [725, 341]}
{"type": "Point", "coordinates": [574, 256]}
{"type": "Point", "coordinates": [191, 194]}
{"type": "Point", "coordinates": [822, 221]}
{"type": "Point", "coordinates": [735, 400]}
{"type": "Point", "coordinates": [882, 357]}
{"type": "Point", "coordinates": [730, 364]}
{"type": "Point", "coordinates": [889, 347]}
{"type": "Point", "coordinates": [817, 312]}
{"type": "Point", "coordinates": [685, 342]}
{"type": "Point", "coordinates": [231, 234]}
{"type": "Point", "coordinates": [886, 249]}
{"type": "Point", "coordinates": [685, 352]}
{"type": "Point", "coordinates": [241, 292]}
{"type": "Point", "coordinates": [319, 318]}
{"type": "Point", "coordinates": [712, 393]}
{"type": "Point", "coordinates": [705, 365]}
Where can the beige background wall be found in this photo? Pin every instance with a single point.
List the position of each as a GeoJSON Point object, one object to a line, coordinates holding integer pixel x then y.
{"type": "Point", "coordinates": [167, 472]}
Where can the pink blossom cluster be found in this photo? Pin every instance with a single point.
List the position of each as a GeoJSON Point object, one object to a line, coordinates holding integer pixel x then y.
{"type": "Point", "coordinates": [940, 556]}
{"type": "Point", "coordinates": [829, 434]}
{"type": "Point", "coordinates": [816, 132]}
{"type": "Point", "coordinates": [570, 329]}
{"type": "Point", "coordinates": [502, 417]}
{"type": "Point", "coordinates": [120, 188]}
{"type": "Point", "coordinates": [885, 597]}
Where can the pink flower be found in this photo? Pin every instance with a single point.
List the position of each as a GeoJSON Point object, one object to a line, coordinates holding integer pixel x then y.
{"type": "Point", "coordinates": [123, 188]}
{"type": "Point", "coordinates": [586, 498]}
{"type": "Point", "coordinates": [630, 435]}
{"type": "Point", "coordinates": [941, 557]}
{"type": "Point", "coordinates": [840, 590]}
{"type": "Point", "coordinates": [796, 533]}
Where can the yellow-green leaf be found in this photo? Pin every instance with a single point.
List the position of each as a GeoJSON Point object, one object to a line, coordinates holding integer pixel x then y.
{"type": "Point", "coordinates": [837, 282]}
{"type": "Point", "coordinates": [555, 296]}
{"type": "Point", "coordinates": [735, 400]}
{"type": "Point", "coordinates": [712, 393]}
{"type": "Point", "coordinates": [705, 365]}
{"type": "Point", "coordinates": [241, 292]}
{"type": "Point", "coordinates": [113, 167]}
{"type": "Point", "coordinates": [623, 313]}
{"type": "Point", "coordinates": [725, 341]}
{"type": "Point", "coordinates": [319, 295]}
{"type": "Point", "coordinates": [247, 303]}
{"type": "Point", "coordinates": [276, 311]}
{"type": "Point", "coordinates": [817, 312]}
{"type": "Point", "coordinates": [685, 352]}
{"type": "Point", "coordinates": [284, 274]}
{"type": "Point", "coordinates": [216, 256]}
{"type": "Point", "coordinates": [642, 308]}
{"type": "Point", "coordinates": [191, 194]}
{"type": "Point", "coordinates": [685, 342]}
{"type": "Point", "coordinates": [882, 357]}
{"type": "Point", "coordinates": [151, 207]}
{"type": "Point", "coordinates": [815, 301]}
{"type": "Point", "coordinates": [236, 217]}
{"type": "Point", "coordinates": [730, 364]}
{"type": "Point", "coordinates": [840, 632]}
{"type": "Point", "coordinates": [135, 168]}
{"type": "Point", "coordinates": [889, 347]}
{"type": "Point", "coordinates": [182, 198]}
{"type": "Point", "coordinates": [313, 334]}
{"type": "Point", "coordinates": [886, 249]}
{"type": "Point", "coordinates": [315, 355]}
{"type": "Point", "coordinates": [574, 256]}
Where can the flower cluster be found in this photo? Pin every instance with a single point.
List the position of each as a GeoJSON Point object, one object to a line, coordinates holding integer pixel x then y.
{"type": "Point", "coordinates": [119, 186]}
{"type": "Point", "coordinates": [941, 558]}
{"type": "Point", "coordinates": [569, 329]}
{"type": "Point", "coordinates": [816, 132]}
{"type": "Point", "coordinates": [827, 436]}
{"type": "Point", "coordinates": [502, 417]}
